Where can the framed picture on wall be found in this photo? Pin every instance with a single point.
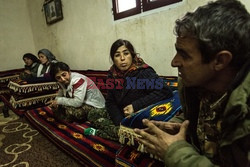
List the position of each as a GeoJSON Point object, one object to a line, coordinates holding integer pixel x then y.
{"type": "Point", "coordinates": [53, 11]}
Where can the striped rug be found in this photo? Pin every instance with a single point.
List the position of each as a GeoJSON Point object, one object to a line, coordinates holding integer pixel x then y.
{"type": "Point", "coordinates": [88, 150]}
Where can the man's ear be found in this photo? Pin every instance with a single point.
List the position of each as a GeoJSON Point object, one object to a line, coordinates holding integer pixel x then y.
{"type": "Point", "coordinates": [222, 60]}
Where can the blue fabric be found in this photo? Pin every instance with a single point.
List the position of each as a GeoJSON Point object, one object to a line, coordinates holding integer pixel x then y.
{"type": "Point", "coordinates": [161, 111]}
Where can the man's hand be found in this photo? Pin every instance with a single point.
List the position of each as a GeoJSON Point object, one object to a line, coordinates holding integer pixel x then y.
{"type": "Point", "coordinates": [128, 110]}
{"type": "Point", "coordinates": [169, 127]}
{"type": "Point", "coordinates": [157, 141]}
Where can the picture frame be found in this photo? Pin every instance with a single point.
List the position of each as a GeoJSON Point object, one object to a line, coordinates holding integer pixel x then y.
{"type": "Point", "coordinates": [53, 11]}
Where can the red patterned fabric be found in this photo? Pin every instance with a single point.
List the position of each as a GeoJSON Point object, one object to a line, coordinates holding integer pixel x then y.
{"type": "Point", "coordinates": [89, 150]}
{"type": "Point", "coordinates": [128, 156]}
{"type": "Point", "coordinates": [11, 72]}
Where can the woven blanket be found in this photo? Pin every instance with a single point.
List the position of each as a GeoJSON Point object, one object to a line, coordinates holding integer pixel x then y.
{"type": "Point", "coordinates": [4, 91]}
{"type": "Point", "coordinates": [127, 156]}
{"type": "Point", "coordinates": [88, 150]}
{"type": "Point", "coordinates": [5, 98]}
{"type": "Point", "coordinates": [6, 76]}
{"type": "Point", "coordinates": [11, 72]}
{"type": "Point", "coordinates": [22, 105]}
{"type": "Point", "coordinates": [25, 88]}
{"type": "Point", "coordinates": [4, 80]}
{"type": "Point", "coordinates": [39, 100]}
{"type": "Point", "coordinates": [161, 111]}
{"type": "Point", "coordinates": [27, 96]}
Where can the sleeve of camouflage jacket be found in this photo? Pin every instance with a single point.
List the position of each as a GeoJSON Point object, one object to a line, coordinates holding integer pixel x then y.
{"type": "Point", "coordinates": [182, 154]}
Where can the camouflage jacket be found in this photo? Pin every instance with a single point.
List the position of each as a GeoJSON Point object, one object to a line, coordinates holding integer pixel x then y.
{"type": "Point", "coordinates": [229, 129]}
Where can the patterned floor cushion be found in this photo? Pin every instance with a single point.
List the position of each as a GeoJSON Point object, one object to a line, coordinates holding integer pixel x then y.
{"type": "Point", "coordinates": [162, 111]}
{"type": "Point", "coordinates": [35, 101]}
{"type": "Point", "coordinates": [25, 95]}
{"type": "Point", "coordinates": [88, 150]}
{"type": "Point", "coordinates": [128, 156]}
{"type": "Point", "coordinates": [4, 80]}
{"type": "Point", "coordinates": [5, 98]}
{"type": "Point", "coordinates": [21, 87]}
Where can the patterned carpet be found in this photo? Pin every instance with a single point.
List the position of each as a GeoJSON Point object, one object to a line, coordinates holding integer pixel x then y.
{"type": "Point", "coordinates": [22, 145]}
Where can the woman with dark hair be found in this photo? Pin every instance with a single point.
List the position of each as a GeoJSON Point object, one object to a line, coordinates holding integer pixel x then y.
{"type": "Point", "coordinates": [135, 86]}
{"type": "Point", "coordinates": [77, 95]}
{"type": "Point", "coordinates": [30, 67]}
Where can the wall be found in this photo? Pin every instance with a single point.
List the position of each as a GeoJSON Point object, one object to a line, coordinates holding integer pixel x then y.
{"type": "Point", "coordinates": [83, 38]}
{"type": "Point", "coordinates": [16, 37]}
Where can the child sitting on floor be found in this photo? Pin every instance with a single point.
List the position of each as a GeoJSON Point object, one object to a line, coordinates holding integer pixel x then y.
{"type": "Point", "coordinates": [77, 95]}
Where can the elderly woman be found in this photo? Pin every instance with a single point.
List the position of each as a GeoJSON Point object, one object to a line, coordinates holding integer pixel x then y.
{"type": "Point", "coordinates": [135, 86]}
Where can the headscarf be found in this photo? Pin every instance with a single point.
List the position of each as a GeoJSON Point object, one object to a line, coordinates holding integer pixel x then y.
{"type": "Point", "coordinates": [137, 63]}
{"type": "Point", "coordinates": [48, 54]}
{"type": "Point", "coordinates": [45, 68]}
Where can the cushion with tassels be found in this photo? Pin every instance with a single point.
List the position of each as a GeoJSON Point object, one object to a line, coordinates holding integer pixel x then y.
{"type": "Point", "coordinates": [161, 111]}
{"type": "Point", "coordinates": [26, 95]}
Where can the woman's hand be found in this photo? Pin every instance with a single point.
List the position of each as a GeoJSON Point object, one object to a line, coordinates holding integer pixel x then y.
{"type": "Point", "coordinates": [27, 71]}
{"type": "Point", "coordinates": [128, 110]}
{"type": "Point", "coordinates": [52, 104]}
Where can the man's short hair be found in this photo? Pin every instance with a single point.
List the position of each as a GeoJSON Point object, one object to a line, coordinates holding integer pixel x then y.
{"type": "Point", "coordinates": [219, 25]}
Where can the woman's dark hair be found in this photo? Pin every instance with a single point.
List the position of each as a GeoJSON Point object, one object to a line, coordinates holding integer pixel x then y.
{"type": "Point", "coordinates": [31, 56]}
{"type": "Point", "coordinates": [118, 43]}
{"type": "Point", "coordinates": [56, 67]}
